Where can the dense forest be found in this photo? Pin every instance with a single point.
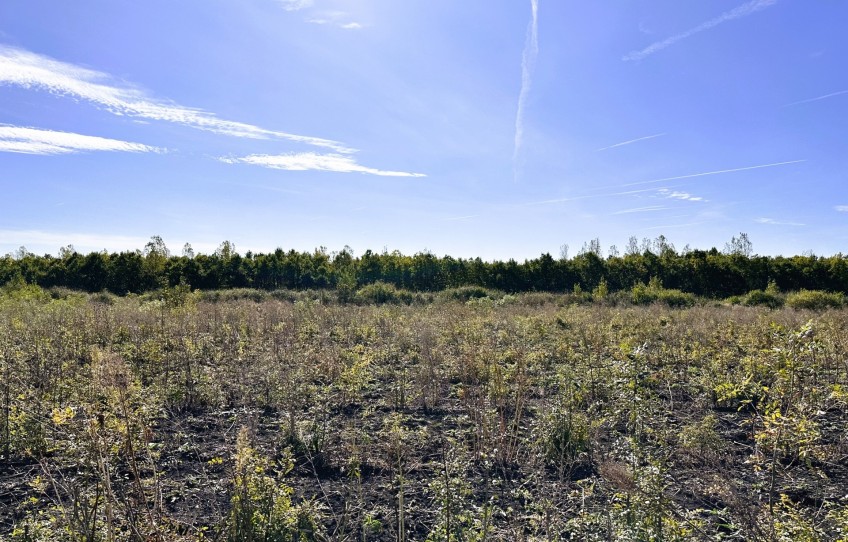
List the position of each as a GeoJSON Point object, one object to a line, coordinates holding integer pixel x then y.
{"type": "Point", "coordinates": [735, 270]}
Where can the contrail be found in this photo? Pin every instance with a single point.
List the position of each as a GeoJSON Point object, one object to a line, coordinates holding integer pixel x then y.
{"type": "Point", "coordinates": [718, 172]}
{"type": "Point", "coordinates": [736, 13]}
{"type": "Point", "coordinates": [630, 141]}
{"type": "Point", "coordinates": [831, 95]}
{"type": "Point", "coordinates": [528, 62]}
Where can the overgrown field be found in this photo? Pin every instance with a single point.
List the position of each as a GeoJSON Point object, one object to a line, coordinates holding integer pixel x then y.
{"type": "Point", "coordinates": [522, 418]}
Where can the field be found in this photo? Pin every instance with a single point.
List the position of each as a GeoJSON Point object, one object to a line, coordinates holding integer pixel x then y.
{"type": "Point", "coordinates": [453, 418]}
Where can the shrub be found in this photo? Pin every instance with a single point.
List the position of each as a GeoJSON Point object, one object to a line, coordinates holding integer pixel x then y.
{"type": "Point", "coordinates": [763, 298]}
{"type": "Point", "coordinates": [645, 294]}
{"type": "Point", "coordinates": [677, 298]}
{"type": "Point", "coordinates": [464, 293]}
{"type": "Point", "coordinates": [234, 294]}
{"type": "Point", "coordinates": [816, 300]}
{"type": "Point", "coordinates": [262, 507]}
{"type": "Point", "coordinates": [380, 293]}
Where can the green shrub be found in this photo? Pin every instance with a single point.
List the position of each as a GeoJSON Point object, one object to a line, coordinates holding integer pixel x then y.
{"type": "Point", "coordinates": [763, 298]}
{"type": "Point", "coordinates": [645, 294]}
{"type": "Point", "coordinates": [19, 290]}
{"type": "Point", "coordinates": [564, 435]}
{"type": "Point", "coordinates": [464, 293]}
{"type": "Point", "coordinates": [233, 294]}
{"type": "Point", "coordinates": [816, 300]}
{"type": "Point", "coordinates": [262, 506]}
{"type": "Point", "coordinates": [380, 293]}
{"type": "Point", "coordinates": [677, 298]}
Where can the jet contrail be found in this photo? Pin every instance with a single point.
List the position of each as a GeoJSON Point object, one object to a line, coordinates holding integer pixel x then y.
{"type": "Point", "coordinates": [831, 95]}
{"type": "Point", "coordinates": [740, 11]}
{"type": "Point", "coordinates": [710, 173]}
{"type": "Point", "coordinates": [630, 141]}
{"type": "Point", "coordinates": [528, 62]}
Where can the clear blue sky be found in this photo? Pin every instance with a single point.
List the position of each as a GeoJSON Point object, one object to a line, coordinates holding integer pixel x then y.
{"type": "Point", "coordinates": [471, 128]}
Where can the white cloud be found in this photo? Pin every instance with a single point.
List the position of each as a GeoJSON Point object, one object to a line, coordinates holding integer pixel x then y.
{"type": "Point", "coordinates": [42, 242]}
{"type": "Point", "coordinates": [670, 226]}
{"type": "Point", "coordinates": [30, 70]}
{"type": "Point", "coordinates": [741, 11]}
{"type": "Point", "coordinates": [295, 5]}
{"type": "Point", "coordinates": [528, 63]}
{"type": "Point", "coordinates": [309, 161]}
{"type": "Point", "coordinates": [774, 222]}
{"type": "Point", "coordinates": [674, 194]}
{"type": "Point", "coordinates": [335, 18]}
{"type": "Point", "coordinates": [842, 208]}
{"type": "Point", "coordinates": [84, 242]}
{"type": "Point", "coordinates": [35, 141]}
{"type": "Point", "coordinates": [628, 142]}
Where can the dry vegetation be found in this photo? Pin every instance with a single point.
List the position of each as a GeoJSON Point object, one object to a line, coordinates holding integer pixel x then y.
{"type": "Point", "coordinates": [521, 418]}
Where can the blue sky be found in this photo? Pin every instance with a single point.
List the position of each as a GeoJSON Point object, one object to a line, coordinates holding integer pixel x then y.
{"type": "Point", "coordinates": [493, 128]}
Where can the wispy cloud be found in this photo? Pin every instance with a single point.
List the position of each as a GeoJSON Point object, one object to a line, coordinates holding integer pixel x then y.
{"type": "Point", "coordinates": [774, 222]}
{"type": "Point", "coordinates": [528, 63]}
{"type": "Point", "coordinates": [309, 161]}
{"type": "Point", "coordinates": [717, 172]}
{"type": "Point", "coordinates": [741, 11]}
{"type": "Point", "coordinates": [30, 70]}
{"type": "Point", "coordinates": [459, 218]}
{"type": "Point", "coordinates": [34, 141]}
{"type": "Point", "coordinates": [335, 18]}
{"type": "Point", "coordinates": [40, 241]}
{"type": "Point", "coordinates": [585, 196]}
{"type": "Point", "coordinates": [82, 241]}
{"type": "Point", "coordinates": [671, 226]}
{"type": "Point", "coordinates": [842, 208]}
{"type": "Point", "coordinates": [295, 5]}
{"type": "Point", "coordinates": [824, 97]}
{"type": "Point", "coordinates": [674, 194]}
{"type": "Point", "coordinates": [628, 142]}
{"type": "Point", "coordinates": [648, 209]}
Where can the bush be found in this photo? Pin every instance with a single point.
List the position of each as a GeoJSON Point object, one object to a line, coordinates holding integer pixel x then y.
{"type": "Point", "coordinates": [234, 294]}
{"type": "Point", "coordinates": [645, 294]}
{"type": "Point", "coordinates": [464, 293]}
{"type": "Point", "coordinates": [380, 293]}
{"type": "Point", "coordinates": [816, 300]}
{"type": "Point", "coordinates": [677, 298]}
{"type": "Point", "coordinates": [763, 298]}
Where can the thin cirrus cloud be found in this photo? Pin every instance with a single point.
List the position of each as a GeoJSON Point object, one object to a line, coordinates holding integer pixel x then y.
{"type": "Point", "coordinates": [737, 13]}
{"type": "Point", "coordinates": [46, 142]}
{"type": "Point", "coordinates": [528, 63]}
{"type": "Point", "coordinates": [842, 208]}
{"type": "Point", "coordinates": [309, 161]}
{"type": "Point", "coordinates": [295, 5]}
{"type": "Point", "coordinates": [353, 25]}
{"type": "Point", "coordinates": [629, 141]}
{"type": "Point", "coordinates": [25, 69]}
{"type": "Point", "coordinates": [773, 222]}
{"type": "Point", "coordinates": [81, 241]}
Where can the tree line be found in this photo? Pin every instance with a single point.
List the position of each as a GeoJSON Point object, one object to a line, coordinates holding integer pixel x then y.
{"type": "Point", "coordinates": [710, 273]}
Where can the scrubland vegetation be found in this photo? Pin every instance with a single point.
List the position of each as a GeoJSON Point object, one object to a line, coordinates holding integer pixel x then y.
{"type": "Point", "coordinates": [375, 413]}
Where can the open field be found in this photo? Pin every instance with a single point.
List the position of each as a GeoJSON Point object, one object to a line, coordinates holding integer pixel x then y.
{"type": "Point", "coordinates": [517, 418]}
